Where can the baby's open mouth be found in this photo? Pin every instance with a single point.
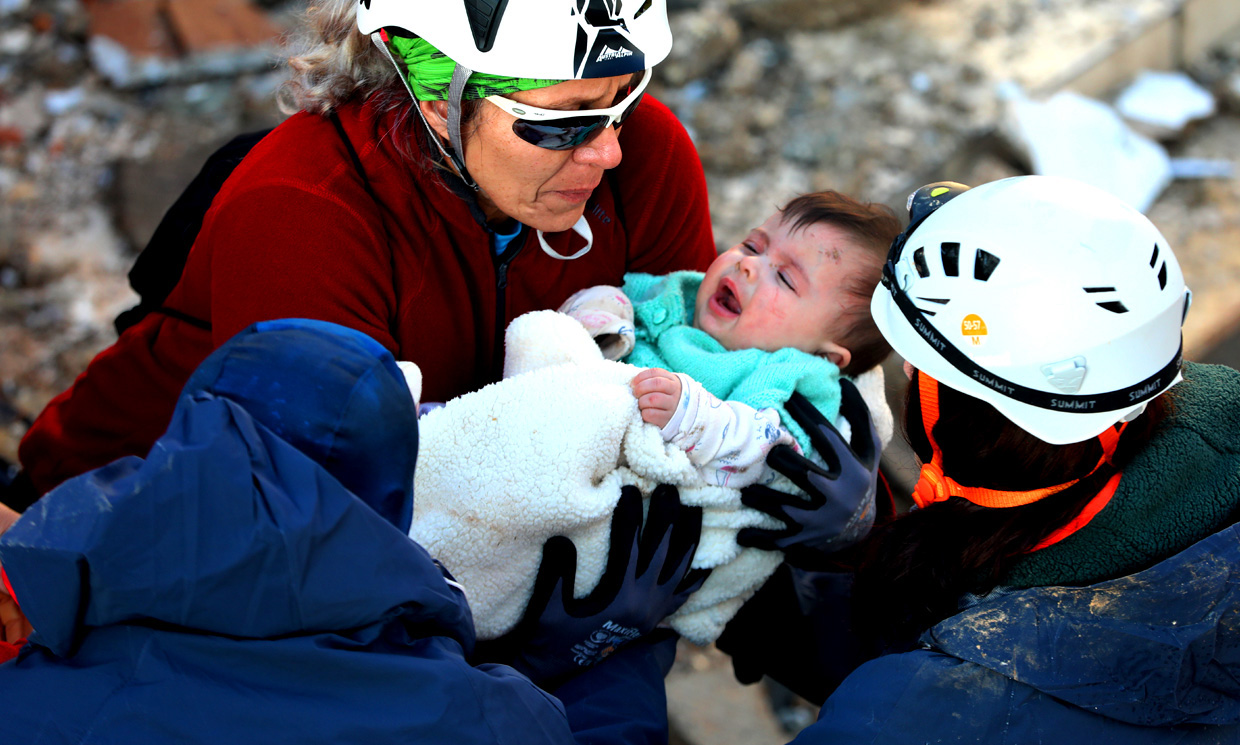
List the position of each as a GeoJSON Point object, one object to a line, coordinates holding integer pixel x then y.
{"type": "Point", "coordinates": [726, 299]}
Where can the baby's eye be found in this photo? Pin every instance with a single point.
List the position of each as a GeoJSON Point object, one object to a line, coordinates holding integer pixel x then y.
{"type": "Point", "coordinates": [751, 248]}
{"type": "Point", "coordinates": [784, 278]}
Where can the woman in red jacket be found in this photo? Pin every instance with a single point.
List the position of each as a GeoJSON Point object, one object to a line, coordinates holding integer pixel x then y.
{"type": "Point", "coordinates": [451, 166]}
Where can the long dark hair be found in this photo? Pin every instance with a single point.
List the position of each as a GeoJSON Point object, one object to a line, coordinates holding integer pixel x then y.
{"type": "Point", "coordinates": [915, 568]}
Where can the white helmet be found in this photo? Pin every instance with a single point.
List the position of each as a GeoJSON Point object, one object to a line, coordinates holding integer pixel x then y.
{"type": "Point", "coordinates": [1050, 299]}
{"type": "Point", "coordinates": [552, 39]}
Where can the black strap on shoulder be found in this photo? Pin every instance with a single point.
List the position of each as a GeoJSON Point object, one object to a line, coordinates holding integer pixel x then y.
{"type": "Point", "coordinates": [159, 267]}
{"type": "Point", "coordinates": [357, 161]}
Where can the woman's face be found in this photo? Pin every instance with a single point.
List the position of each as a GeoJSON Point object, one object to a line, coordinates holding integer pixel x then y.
{"type": "Point", "coordinates": [545, 189]}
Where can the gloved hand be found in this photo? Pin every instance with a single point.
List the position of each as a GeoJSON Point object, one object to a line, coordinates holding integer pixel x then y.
{"type": "Point", "coordinates": [839, 509]}
{"type": "Point", "coordinates": [647, 578]}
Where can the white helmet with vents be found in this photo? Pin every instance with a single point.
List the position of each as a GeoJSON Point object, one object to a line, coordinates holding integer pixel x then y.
{"type": "Point", "coordinates": [1050, 299]}
{"type": "Point", "coordinates": [552, 39]}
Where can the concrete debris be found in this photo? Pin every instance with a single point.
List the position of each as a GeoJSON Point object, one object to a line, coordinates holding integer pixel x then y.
{"type": "Point", "coordinates": [1231, 92]}
{"type": "Point", "coordinates": [705, 39]}
{"type": "Point", "coordinates": [109, 107]}
{"type": "Point", "coordinates": [1078, 137]}
{"type": "Point", "coordinates": [57, 103]}
{"type": "Point", "coordinates": [1200, 168]}
{"type": "Point", "coordinates": [782, 16]}
{"type": "Point", "coordinates": [1162, 104]}
{"type": "Point", "coordinates": [145, 42]}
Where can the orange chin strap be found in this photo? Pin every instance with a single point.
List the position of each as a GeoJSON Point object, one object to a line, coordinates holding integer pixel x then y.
{"type": "Point", "coordinates": [936, 486]}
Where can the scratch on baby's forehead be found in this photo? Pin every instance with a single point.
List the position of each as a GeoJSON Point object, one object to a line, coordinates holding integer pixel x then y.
{"type": "Point", "coordinates": [830, 252]}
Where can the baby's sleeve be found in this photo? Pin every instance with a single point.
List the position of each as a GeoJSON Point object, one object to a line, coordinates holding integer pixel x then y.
{"type": "Point", "coordinates": [727, 441]}
{"type": "Point", "coordinates": [607, 313]}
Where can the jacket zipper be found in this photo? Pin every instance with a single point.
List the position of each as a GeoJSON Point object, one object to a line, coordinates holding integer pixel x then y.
{"type": "Point", "coordinates": [501, 284]}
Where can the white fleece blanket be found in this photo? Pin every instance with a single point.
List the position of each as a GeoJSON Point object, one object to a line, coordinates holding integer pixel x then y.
{"type": "Point", "coordinates": [545, 452]}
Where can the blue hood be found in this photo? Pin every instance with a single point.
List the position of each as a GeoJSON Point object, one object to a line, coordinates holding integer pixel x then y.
{"type": "Point", "coordinates": [277, 503]}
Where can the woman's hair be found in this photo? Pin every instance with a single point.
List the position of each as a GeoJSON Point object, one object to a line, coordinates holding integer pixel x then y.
{"type": "Point", "coordinates": [333, 63]}
{"type": "Point", "coordinates": [873, 227]}
{"type": "Point", "coordinates": [915, 568]}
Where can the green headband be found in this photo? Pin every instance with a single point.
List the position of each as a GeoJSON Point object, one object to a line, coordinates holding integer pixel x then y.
{"type": "Point", "coordinates": [429, 72]}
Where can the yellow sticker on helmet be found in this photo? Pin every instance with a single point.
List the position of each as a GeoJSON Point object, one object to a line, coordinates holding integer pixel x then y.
{"type": "Point", "coordinates": [975, 328]}
{"type": "Point", "coordinates": [939, 191]}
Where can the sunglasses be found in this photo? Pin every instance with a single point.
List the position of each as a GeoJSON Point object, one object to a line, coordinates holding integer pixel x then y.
{"type": "Point", "coordinates": [552, 129]}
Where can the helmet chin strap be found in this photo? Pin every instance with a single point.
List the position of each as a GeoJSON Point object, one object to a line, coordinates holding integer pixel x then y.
{"type": "Point", "coordinates": [455, 92]}
{"type": "Point", "coordinates": [581, 228]}
{"type": "Point", "coordinates": [455, 156]}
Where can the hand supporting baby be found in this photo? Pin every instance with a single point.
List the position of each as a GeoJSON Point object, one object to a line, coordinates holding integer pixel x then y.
{"type": "Point", "coordinates": [658, 395]}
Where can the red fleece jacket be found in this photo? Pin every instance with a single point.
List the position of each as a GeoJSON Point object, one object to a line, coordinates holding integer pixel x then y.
{"type": "Point", "coordinates": [9, 649]}
{"type": "Point", "coordinates": [293, 233]}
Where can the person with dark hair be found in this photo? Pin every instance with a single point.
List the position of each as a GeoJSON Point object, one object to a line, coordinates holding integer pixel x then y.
{"type": "Point", "coordinates": [1069, 571]}
{"type": "Point", "coordinates": [785, 311]}
{"type": "Point", "coordinates": [252, 580]}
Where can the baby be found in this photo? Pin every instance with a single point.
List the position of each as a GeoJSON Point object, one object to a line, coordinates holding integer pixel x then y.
{"type": "Point", "coordinates": [786, 310]}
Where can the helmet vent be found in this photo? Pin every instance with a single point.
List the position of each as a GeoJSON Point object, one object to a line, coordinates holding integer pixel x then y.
{"type": "Point", "coordinates": [935, 300]}
{"type": "Point", "coordinates": [1154, 258]}
{"type": "Point", "coordinates": [919, 260]}
{"type": "Point", "coordinates": [984, 264]}
{"type": "Point", "coordinates": [1162, 276]}
{"type": "Point", "coordinates": [645, 7]}
{"type": "Point", "coordinates": [484, 17]}
{"type": "Point", "coordinates": [951, 259]}
{"type": "Point", "coordinates": [1114, 306]}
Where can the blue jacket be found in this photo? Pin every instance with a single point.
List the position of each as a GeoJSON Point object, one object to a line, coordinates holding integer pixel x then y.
{"type": "Point", "coordinates": [251, 579]}
{"type": "Point", "coordinates": [1153, 657]}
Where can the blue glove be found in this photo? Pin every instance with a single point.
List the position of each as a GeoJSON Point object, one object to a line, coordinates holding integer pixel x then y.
{"type": "Point", "coordinates": [647, 578]}
{"type": "Point", "coordinates": [839, 509]}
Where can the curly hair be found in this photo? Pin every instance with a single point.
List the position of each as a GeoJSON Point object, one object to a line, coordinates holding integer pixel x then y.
{"type": "Point", "coordinates": [333, 63]}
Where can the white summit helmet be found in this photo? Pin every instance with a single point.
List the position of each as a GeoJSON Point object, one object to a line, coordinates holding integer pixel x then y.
{"type": "Point", "coordinates": [551, 39]}
{"type": "Point", "coordinates": [1050, 299]}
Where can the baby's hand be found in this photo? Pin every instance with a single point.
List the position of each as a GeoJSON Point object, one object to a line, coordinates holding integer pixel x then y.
{"type": "Point", "coordinates": [658, 395]}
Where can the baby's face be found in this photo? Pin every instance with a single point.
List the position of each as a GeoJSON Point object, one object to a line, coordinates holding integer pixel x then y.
{"type": "Point", "coordinates": [779, 288]}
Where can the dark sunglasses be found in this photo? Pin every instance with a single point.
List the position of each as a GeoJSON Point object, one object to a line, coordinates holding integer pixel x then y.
{"type": "Point", "coordinates": [553, 129]}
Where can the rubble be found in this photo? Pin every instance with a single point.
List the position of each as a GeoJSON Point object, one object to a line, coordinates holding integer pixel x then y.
{"type": "Point", "coordinates": [108, 108]}
{"type": "Point", "coordinates": [147, 42]}
{"type": "Point", "coordinates": [1078, 137]}
{"type": "Point", "coordinates": [1161, 104]}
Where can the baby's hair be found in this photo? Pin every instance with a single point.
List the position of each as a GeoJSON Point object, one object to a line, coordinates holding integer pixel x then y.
{"type": "Point", "coordinates": [874, 227]}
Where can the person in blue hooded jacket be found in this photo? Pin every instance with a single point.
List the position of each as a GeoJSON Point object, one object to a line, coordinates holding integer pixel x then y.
{"type": "Point", "coordinates": [1069, 573]}
{"type": "Point", "coordinates": [251, 580]}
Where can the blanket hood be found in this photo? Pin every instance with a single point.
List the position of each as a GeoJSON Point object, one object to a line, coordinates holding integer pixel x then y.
{"type": "Point", "coordinates": [275, 504]}
{"type": "Point", "coordinates": [1157, 648]}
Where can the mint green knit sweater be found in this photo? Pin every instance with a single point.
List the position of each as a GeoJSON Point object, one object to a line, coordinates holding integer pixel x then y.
{"type": "Point", "coordinates": [665, 337]}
